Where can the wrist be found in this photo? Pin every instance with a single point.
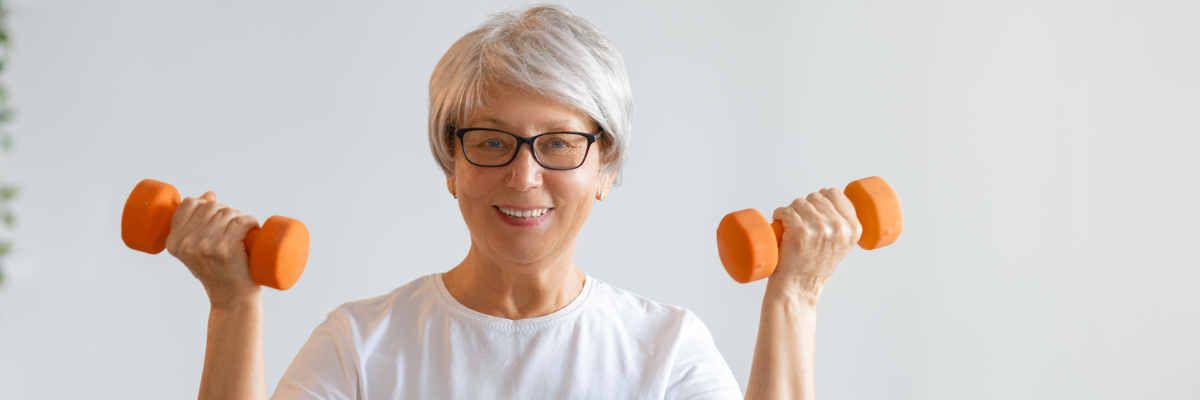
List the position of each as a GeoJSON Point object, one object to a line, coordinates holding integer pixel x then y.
{"type": "Point", "coordinates": [792, 291]}
{"type": "Point", "coordinates": [249, 298]}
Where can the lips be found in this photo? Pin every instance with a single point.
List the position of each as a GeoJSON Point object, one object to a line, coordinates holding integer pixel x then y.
{"type": "Point", "coordinates": [518, 213]}
{"type": "Point", "coordinates": [523, 216]}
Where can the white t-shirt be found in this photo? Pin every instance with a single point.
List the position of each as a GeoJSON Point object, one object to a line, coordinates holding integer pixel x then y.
{"type": "Point", "coordinates": [418, 342]}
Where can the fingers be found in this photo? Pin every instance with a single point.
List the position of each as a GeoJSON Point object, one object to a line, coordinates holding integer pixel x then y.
{"type": "Point", "coordinates": [215, 243]}
{"type": "Point", "coordinates": [240, 225]}
{"type": "Point", "coordinates": [846, 209]}
{"type": "Point", "coordinates": [201, 215]}
{"type": "Point", "coordinates": [791, 220]}
{"type": "Point", "coordinates": [817, 235]}
{"type": "Point", "coordinates": [237, 229]}
{"type": "Point", "coordinates": [190, 220]}
{"type": "Point", "coordinates": [827, 212]}
{"type": "Point", "coordinates": [800, 213]}
{"type": "Point", "coordinates": [183, 213]}
{"type": "Point", "coordinates": [822, 203]}
{"type": "Point", "coordinates": [836, 225]}
{"type": "Point", "coordinates": [813, 219]}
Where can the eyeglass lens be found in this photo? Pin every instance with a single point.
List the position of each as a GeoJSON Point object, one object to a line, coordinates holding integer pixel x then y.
{"type": "Point", "coordinates": [555, 150]}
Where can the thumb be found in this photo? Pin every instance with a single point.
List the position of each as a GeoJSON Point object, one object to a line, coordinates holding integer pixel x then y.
{"type": "Point", "coordinates": [210, 196]}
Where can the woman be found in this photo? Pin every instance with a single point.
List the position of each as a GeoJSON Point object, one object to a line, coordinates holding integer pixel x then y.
{"type": "Point", "coordinates": [530, 119]}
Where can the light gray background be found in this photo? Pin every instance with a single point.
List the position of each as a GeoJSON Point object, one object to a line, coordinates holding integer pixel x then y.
{"type": "Point", "coordinates": [1044, 151]}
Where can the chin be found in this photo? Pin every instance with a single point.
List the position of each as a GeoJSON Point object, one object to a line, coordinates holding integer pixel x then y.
{"type": "Point", "coordinates": [521, 253]}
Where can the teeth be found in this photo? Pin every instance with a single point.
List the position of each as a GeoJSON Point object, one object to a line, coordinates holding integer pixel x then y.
{"type": "Point", "coordinates": [524, 214]}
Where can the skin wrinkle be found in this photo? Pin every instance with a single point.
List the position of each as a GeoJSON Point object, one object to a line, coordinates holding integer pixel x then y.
{"type": "Point", "coordinates": [522, 272]}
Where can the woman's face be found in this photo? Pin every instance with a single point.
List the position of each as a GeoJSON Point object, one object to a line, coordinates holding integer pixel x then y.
{"type": "Point", "coordinates": [563, 198]}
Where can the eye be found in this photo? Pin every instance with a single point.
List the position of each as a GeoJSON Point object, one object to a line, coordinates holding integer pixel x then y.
{"type": "Point", "coordinates": [557, 144]}
{"type": "Point", "coordinates": [495, 144]}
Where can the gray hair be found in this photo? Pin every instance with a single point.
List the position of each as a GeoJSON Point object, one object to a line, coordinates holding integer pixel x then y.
{"type": "Point", "coordinates": [544, 49]}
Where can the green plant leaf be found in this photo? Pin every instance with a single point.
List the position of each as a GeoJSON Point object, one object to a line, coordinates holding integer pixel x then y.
{"type": "Point", "coordinates": [6, 114]}
{"type": "Point", "coordinates": [5, 246]}
{"type": "Point", "coordinates": [8, 192]}
{"type": "Point", "coordinates": [9, 219]}
{"type": "Point", "coordinates": [5, 141]}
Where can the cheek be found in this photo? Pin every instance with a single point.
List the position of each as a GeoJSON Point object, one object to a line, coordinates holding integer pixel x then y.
{"type": "Point", "coordinates": [575, 186]}
{"type": "Point", "coordinates": [581, 193]}
{"type": "Point", "coordinates": [467, 178]}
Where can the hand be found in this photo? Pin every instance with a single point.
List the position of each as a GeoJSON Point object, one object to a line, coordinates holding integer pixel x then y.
{"type": "Point", "coordinates": [818, 232]}
{"type": "Point", "coordinates": [207, 237]}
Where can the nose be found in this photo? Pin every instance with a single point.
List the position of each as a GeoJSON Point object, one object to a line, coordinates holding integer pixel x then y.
{"type": "Point", "coordinates": [526, 173]}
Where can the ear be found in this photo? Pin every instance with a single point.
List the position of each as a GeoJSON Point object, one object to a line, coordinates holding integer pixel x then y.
{"type": "Point", "coordinates": [605, 184]}
{"type": "Point", "coordinates": [450, 186]}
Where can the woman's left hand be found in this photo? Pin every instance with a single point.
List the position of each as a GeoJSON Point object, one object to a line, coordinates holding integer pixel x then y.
{"type": "Point", "coordinates": [818, 232]}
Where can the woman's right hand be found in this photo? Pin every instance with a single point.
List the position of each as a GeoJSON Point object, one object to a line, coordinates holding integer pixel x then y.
{"type": "Point", "coordinates": [207, 237]}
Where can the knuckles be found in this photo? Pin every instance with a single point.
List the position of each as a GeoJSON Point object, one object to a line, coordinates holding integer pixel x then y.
{"type": "Point", "coordinates": [799, 204]}
{"type": "Point", "coordinates": [208, 207]}
{"type": "Point", "coordinates": [827, 230]}
{"type": "Point", "coordinates": [205, 247]}
{"type": "Point", "coordinates": [818, 225]}
{"type": "Point", "coordinates": [226, 212]}
{"type": "Point", "coordinates": [206, 242]}
{"type": "Point", "coordinates": [223, 251]}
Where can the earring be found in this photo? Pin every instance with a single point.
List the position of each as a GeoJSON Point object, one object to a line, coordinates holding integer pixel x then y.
{"type": "Point", "coordinates": [600, 195]}
{"type": "Point", "coordinates": [452, 191]}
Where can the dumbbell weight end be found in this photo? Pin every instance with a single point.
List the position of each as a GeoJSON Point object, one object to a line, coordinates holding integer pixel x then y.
{"type": "Point", "coordinates": [278, 252]}
{"type": "Point", "coordinates": [748, 246]}
{"type": "Point", "coordinates": [146, 219]}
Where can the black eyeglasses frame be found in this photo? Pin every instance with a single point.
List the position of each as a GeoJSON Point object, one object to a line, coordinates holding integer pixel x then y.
{"type": "Point", "coordinates": [591, 138]}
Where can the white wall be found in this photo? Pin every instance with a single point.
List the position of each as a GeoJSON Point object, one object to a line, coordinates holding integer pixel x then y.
{"type": "Point", "coordinates": [1044, 151]}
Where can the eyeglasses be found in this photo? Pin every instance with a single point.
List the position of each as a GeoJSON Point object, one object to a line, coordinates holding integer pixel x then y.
{"type": "Point", "coordinates": [555, 150]}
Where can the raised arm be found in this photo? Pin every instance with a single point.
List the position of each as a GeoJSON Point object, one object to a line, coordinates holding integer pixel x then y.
{"type": "Point", "coordinates": [207, 238]}
{"type": "Point", "coordinates": [818, 233]}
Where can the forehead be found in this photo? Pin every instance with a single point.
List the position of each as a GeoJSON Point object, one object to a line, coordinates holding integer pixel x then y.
{"type": "Point", "coordinates": [515, 109]}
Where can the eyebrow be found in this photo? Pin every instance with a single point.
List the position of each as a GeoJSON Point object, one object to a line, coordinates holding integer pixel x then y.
{"type": "Point", "coordinates": [554, 125]}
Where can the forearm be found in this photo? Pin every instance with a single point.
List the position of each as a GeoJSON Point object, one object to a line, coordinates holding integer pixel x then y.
{"type": "Point", "coordinates": [785, 351]}
{"type": "Point", "coordinates": [233, 356]}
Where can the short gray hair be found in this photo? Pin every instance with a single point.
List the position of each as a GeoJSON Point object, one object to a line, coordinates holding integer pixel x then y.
{"type": "Point", "coordinates": [544, 49]}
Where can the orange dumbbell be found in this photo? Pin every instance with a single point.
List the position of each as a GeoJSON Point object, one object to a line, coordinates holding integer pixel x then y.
{"type": "Point", "coordinates": [749, 246]}
{"type": "Point", "coordinates": [278, 250]}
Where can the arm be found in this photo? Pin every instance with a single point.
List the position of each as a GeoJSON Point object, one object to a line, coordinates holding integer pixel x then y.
{"type": "Point", "coordinates": [784, 352]}
{"type": "Point", "coordinates": [207, 238]}
{"type": "Point", "coordinates": [233, 355]}
{"type": "Point", "coordinates": [818, 233]}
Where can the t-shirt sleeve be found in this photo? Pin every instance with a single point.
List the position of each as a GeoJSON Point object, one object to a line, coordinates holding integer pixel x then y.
{"type": "Point", "coordinates": [326, 367]}
{"type": "Point", "coordinates": [698, 371]}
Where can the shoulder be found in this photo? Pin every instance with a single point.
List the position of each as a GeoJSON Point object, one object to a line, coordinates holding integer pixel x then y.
{"type": "Point", "coordinates": [623, 305]}
{"type": "Point", "coordinates": [615, 296]}
{"type": "Point", "coordinates": [412, 297]}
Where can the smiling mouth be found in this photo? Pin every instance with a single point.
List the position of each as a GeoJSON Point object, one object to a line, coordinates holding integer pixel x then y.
{"type": "Point", "coordinates": [524, 214]}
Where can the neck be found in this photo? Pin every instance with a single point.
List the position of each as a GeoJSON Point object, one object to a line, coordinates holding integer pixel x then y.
{"type": "Point", "coordinates": [514, 291]}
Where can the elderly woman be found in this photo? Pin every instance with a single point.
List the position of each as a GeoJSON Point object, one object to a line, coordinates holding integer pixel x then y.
{"type": "Point", "coordinates": [530, 119]}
